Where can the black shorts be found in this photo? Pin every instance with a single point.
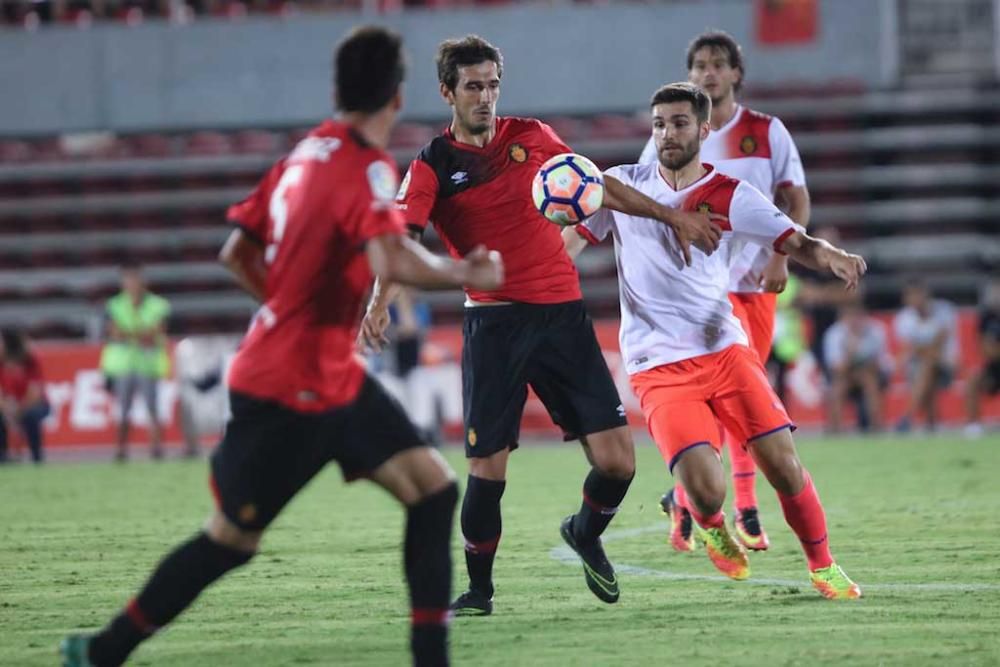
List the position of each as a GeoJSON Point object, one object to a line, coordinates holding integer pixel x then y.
{"type": "Point", "coordinates": [553, 349]}
{"type": "Point", "coordinates": [269, 452]}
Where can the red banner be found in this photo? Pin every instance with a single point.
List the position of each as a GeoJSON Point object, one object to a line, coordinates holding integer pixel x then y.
{"type": "Point", "coordinates": [784, 22]}
{"type": "Point", "coordinates": [83, 413]}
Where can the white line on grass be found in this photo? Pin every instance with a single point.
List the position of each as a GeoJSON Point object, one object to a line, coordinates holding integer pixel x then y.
{"type": "Point", "coordinates": [564, 554]}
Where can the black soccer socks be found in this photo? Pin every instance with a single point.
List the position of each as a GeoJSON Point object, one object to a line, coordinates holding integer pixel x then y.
{"type": "Point", "coordinates": [481, 526]}
{"type": "Point", "coordinates": [175, 583]}
{"type": "Point", "coordinates": [601, 497]}
{"type": "Point", "coordinates": [427, 560]}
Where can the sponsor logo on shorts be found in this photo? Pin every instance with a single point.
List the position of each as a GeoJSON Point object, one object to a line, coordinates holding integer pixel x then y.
{"type": "Point", "coordinates": [621, 410]}
{"type": "Point", "coordinates": [459, 177]}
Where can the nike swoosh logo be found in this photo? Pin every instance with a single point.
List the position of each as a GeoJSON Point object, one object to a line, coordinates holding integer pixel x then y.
{"type": "Point", "coordinates": [609, 585]}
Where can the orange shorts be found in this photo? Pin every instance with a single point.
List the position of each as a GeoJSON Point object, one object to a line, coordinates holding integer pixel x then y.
{"type": "Point", "coordinates": [681, 401]}
{"type": "Point", "coordinates": [756, 314]}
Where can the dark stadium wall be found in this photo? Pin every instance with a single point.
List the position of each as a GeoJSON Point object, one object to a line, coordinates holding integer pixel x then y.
{"type": "Point", "coordinates": [272, 72]}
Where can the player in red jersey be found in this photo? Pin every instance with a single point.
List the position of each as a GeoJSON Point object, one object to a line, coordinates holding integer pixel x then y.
{"type": "Point", "coordinates": [474, 182]}
{"type": "Point", "coordinates": [758, 149]}
{"type": "Point", "coordinates": [308, 240]}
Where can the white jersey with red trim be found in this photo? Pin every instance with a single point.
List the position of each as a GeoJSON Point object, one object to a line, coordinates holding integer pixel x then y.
{"type": "Point", "coordinates": [757, 149]}
{"type": "Point", "coordinates": [669, 311]}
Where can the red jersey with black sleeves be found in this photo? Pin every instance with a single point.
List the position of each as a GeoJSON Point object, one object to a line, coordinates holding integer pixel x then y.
{"type": "Point", "coordinates": [313, 213]}
{"type": "Point", "coordinates": [476, 195]}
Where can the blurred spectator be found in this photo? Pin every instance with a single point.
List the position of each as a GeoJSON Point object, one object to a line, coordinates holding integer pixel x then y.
{"type": "Point", "coordinates": [410, 319]}
{"type": "Point", "coordinates": [927, 329]}
{"type": "Point", "coordinates": [986, 380]}
{"type": "Point", "coordinates": [135, 357]}
{"type": "Point", "coordinates": [789, 340]}
{"type": "Point", "coordinates": [855, 351]}
{"type": "Point", "coordinates": [22, 394]}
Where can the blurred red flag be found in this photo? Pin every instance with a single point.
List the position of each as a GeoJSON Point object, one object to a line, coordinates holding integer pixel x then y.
{"type": "Point", "coordinates": [781, 22]}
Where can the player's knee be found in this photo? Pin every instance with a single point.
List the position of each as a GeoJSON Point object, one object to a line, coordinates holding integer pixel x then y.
{"type": "Point", "coordinates": [707, 493]}
{"type": "Point", "coordinates": [617, 465]}
{"type": "Point", "coordinates": [613, 455]}
{"type": "Point", "coordinates": [225, 533]}
{"type": "Point", "coordinates": [787, 475]}
{"type": "Point", "coordinates": [493, 467]}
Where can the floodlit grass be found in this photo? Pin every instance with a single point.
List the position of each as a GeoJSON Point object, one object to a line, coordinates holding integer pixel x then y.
{"type": "Point", "coordinates": [915, 522]}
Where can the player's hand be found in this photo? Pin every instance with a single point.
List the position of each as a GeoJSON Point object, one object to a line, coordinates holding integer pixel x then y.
{"type": "Point", "coordinates": [697, 229]}
{"type": "Point", "coordinates": [849, 268]}
{"type": "Point", "coordinates": [373, 327]}
{"type": "Point", "coordinates": [774, 277]}
{"type": "Point", "coordinates": [483, 269]}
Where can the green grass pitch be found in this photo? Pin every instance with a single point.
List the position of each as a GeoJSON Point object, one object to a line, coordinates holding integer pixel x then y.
{"type": "Point", "coordinates": [916, 522]}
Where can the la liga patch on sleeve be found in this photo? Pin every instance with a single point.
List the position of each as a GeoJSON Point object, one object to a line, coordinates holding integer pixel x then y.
{"type": "Point", "coordinates": [382, 181]}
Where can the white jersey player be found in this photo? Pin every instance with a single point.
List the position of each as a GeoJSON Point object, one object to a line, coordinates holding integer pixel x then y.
{"type": "Point", "coordinates": [685, 352]}
{"type": "Point", "coordinates": [757, 149]}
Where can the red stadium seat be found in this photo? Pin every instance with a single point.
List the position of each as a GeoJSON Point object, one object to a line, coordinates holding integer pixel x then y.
{"type": "Point", "coordinates": [208, 143]}
{"type": "Point", "coordinates": [257, 141]}
{"type": "Point", "coordinates": [151, 145]}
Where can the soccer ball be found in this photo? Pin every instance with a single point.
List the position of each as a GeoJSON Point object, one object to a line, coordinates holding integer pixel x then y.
{"type": "Point", "coordinates": [568, 189]}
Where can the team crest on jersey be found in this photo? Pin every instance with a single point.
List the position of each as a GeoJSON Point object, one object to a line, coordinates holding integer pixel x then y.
{"type": "Point", "coordinates": [704, 207]}
{"type": "Point", "coordinates": [518, 153]}
{"type": "Point", "coordinates": [748, 145]}
{"type": "Point", "coordinates": [382, 181]}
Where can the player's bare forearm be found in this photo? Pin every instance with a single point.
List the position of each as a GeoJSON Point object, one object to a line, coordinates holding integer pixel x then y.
{"type": "Point", "coordinates": [795, 202]}
{"type": "Point", "coordinates": [573, 242]}
{"type": "Point", "coordinates": [244, 258]}
{"type": "Point", "coordinates": [399, 259]}
{"type": "Point", "coordinates": [384, 292]}
{"type": "Point", "coordinates": [819, 255]}
{"type": "Point", "coordinates": [690, 228]}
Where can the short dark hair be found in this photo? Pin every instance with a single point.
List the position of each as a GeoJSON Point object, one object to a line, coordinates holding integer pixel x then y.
{"type": "Point", "coordinates": [469, 50]}
{"type": "Point", "coordinates": [683, 91]}
{"type": "Point", "coordinates": [723, 41]}
{"type": "Point", "coordinates": [369, 66]}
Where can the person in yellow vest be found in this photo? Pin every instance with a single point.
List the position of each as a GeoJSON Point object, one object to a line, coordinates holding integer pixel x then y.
{"type": "Point", "coordinates": [135, 357]}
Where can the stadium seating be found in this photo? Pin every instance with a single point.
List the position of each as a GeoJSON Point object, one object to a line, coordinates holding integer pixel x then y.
{"type": "Point", "coordinates": [908, 178]}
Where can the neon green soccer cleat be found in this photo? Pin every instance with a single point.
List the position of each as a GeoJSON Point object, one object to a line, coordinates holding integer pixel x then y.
{"type": "Point", "coordinates": [728, 556]}
{"type": "Point", "coordinates": [833, 584]}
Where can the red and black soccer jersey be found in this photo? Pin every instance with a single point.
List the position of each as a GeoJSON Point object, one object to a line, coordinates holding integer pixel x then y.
{"type": "Point", "coordinates": [313, 212]}
{"type": "Point", "coordinates": [482, 195]}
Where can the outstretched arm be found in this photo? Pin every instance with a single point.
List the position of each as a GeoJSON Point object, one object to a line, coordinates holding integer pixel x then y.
{"type": "Point", "coordinates": [399, 259]}
{"type": "Point", "coordinates": [690, 228]}
{"type": "Point", "coordinates": [819, 255]}
{"type": "Point", "coordinates": [376, 320]}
